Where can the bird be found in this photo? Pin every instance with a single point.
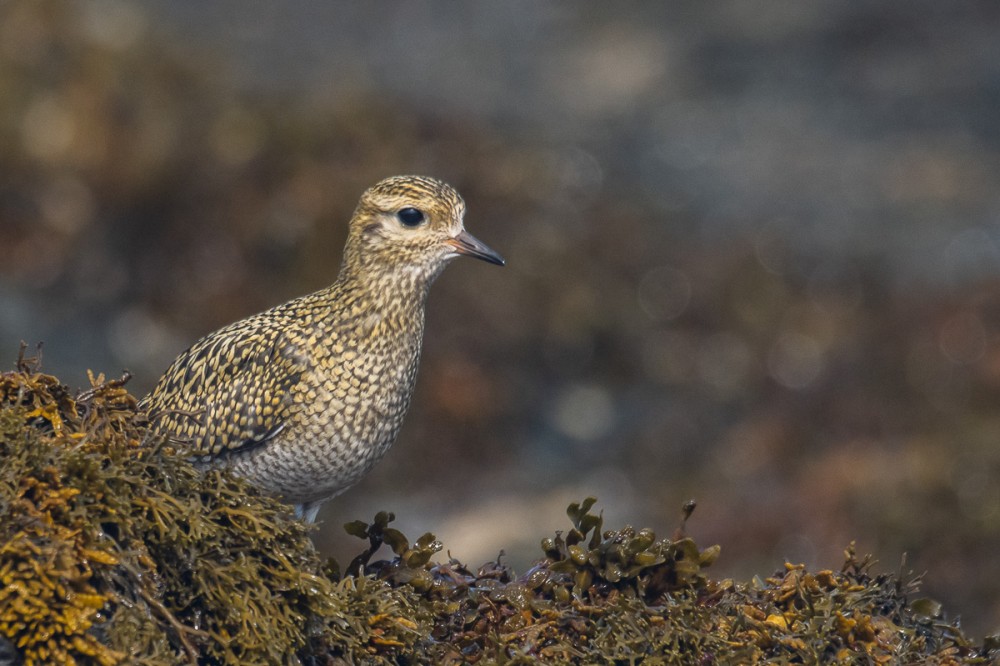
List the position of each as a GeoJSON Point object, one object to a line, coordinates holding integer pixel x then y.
{"type": "Point", "coordinates": [302, 400]}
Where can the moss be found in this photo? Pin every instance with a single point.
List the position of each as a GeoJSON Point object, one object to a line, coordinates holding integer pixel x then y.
{"type": "Point", "coordinates": [113, 550]}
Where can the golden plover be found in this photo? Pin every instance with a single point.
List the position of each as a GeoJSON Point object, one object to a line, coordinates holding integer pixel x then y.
{"type": "Point", "coordinates": [303, 399]}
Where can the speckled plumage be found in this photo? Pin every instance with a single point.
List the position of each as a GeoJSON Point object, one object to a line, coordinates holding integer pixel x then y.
{"type": "Point", "coordinates": [305, 398]}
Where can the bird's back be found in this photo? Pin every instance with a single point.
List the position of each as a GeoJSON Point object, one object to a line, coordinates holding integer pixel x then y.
{"type": "Point", "coordinates": [233, 387]}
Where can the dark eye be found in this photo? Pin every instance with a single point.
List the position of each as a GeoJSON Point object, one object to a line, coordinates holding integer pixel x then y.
{"type": "Point", "coordinates": [411, 217]}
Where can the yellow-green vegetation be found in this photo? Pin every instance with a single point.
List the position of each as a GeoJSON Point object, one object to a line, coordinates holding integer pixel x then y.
{"type": "Point", "coordinates": [111, 552]}
{"type": "Point", "coordinates": [114, 549]}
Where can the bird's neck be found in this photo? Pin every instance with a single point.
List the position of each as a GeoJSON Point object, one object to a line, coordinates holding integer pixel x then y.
{"type": "Point", "coordinates": [395, 298]}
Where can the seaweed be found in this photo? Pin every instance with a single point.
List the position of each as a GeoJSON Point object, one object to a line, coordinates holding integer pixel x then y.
{"type": "Point", "coordinates": [114, 549]}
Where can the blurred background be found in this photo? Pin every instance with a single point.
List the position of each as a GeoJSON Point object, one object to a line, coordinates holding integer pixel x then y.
{"type": "Point", "coordinates": [753, 250]}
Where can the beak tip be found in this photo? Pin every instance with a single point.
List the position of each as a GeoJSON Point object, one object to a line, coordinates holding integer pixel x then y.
{"type": "Point", "coordinates": [467, 244]}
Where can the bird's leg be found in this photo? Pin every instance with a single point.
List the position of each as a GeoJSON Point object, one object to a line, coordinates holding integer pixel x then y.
{"type": "Point", "coordinates": [307, 511]}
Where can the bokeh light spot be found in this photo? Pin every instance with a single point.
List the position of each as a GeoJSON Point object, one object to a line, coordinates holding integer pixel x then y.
{"type": "Point", "coordinates": [795, 360]}
{"type": "Point", "coordinates": [48, 128]}
{"type": "Point", "coordinates": [583, 412]}
{"type": "Point", "coordinates": [664, 293]}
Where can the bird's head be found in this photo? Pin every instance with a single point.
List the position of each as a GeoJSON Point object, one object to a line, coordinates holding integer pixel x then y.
{"type": "Point", "coordinates": [411, 225]}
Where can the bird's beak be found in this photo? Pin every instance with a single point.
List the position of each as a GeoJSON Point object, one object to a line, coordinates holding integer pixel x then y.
{"type": "Point", "coordinates": [467, 244]}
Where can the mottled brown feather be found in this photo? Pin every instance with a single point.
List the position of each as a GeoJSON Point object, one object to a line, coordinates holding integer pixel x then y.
{"type": "Point", "coordinates": [305, 398]}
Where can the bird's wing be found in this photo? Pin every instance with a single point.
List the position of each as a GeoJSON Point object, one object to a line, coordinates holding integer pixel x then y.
{"type": "Point", "coordinates": [231, 390]}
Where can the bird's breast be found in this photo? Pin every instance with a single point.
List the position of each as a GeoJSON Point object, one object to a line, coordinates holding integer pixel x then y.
{"type": "Point", "coordinates": [348, 410]}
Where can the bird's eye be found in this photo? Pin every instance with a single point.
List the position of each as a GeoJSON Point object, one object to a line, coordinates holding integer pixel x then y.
{"type": "Point", "coordinates": [411, 217]}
